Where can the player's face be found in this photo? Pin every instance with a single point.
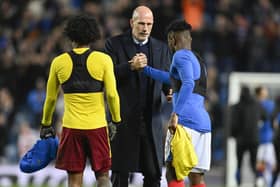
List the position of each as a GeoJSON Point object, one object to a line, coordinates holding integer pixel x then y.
{"type": "Point", "coordinates": [264, 92]}
{"type": "Point", "coordinates": [142, 26]}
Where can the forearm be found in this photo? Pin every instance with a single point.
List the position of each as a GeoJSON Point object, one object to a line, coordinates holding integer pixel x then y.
{"type": "Point", "coordinates": [51, 97]}
{"type": "Point", "coordinates": [114, 107]}
{"type": "Point", "coordinates": [48, 111]}
{"type": "Point", "coordinates": [113, 100]}
{"type": "Point", "coordinates": [156, 74]}
{"type": "Point", "coordinates": [112, 93]}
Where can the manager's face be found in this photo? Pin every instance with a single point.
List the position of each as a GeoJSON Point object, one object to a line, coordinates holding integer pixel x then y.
{"type": "Point", "coordinates": [141, 25]}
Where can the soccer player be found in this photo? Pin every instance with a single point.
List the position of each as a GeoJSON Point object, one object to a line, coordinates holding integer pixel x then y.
{"type": "Point", "coordinates": [188, 80]}
{"type": "Point", "coordinates": [266, 159]}
{"type": "Point", "coordinates": [84, 75]}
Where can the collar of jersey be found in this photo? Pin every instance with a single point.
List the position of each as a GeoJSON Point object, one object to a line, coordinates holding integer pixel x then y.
{"type": "Point", "coordinates": [80, 50]}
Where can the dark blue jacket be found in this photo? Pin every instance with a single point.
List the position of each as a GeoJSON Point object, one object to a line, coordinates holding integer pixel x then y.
{"type": "Point", "coordinates": [125, 147]}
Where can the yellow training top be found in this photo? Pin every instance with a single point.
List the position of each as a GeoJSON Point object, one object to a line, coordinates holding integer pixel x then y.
{"type": "Point", "coordinates": [83, 110]}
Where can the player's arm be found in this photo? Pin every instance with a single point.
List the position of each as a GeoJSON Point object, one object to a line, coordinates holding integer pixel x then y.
{"type": "Point", "coordinates": [156, 74]}
{"type": "Point", "coordinates": [111, 90]}
{"type": "Point", "coordinates": [51, 96]}
{"type": "Point", "coordinates": [185, 70]}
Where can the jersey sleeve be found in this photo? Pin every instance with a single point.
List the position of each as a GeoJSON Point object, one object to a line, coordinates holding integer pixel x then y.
{"type": "Point", "coordinates": [185, 70]}
{"type": "Point", "coordinates": [159, 75]}
{"type": "Point", "coordinates": [112, 95]}
{"type": "Point", "coordinates": [51, 96]}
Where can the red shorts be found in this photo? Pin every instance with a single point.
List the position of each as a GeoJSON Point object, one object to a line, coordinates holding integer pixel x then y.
{"type": "Point", "coordinates": [77, 145]}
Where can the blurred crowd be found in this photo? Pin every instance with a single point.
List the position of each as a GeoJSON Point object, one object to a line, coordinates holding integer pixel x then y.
{"type": "Point", "coordinates": [230, 35]}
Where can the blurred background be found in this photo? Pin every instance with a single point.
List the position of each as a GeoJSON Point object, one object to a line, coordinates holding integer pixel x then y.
{"type": "Point", "coordinates": [230, 35]}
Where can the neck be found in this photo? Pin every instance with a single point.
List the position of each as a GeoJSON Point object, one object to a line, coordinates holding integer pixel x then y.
{"type": "Point", "coordinates": [184, 47]}
{"type": "Point", "coordinates": [189, 47]}
{"type": "Point", "coordinates": [75, 45]}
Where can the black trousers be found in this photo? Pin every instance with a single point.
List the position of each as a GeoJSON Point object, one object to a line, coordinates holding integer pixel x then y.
{"type": "Point", "coordinates": [241, 149]}
{"type": "Point", "coordinates": [148, 165]}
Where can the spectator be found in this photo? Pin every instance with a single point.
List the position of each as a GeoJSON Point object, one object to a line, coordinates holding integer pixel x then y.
{"type": "Point", "coordinates": [6, 118]}
{"type": "Point", "coordinates": [258, 49]}
{"type": "Point", "coordinates": [35, 102]}
{"type": "Point", "coordinates": [193, 11]}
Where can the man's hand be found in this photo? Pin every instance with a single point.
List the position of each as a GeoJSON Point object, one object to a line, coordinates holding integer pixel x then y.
{"type": "Point", "coordinates": [47, 132]}
{"type": "Point", "coordinates": [138, 62]}
{"type": "Point", "coordinates": [172, 124]}
{"type": "Point", "coordinates": [112, 130]}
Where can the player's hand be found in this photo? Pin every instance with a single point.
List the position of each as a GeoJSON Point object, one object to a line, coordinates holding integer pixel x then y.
{"type": "Point", "coordinates": [138, 62]}
{"type": "Point", "coordinates": [47, 132]}
{"type": "Point", "coordinates": [172, 124]}
{"type": "Point", "coordinates": [169, 96]}
{"type": "Point", "coordinates": [112, 126]}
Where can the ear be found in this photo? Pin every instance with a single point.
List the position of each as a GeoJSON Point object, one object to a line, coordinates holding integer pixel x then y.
{"type": "Point", "coordinates": [175, 40]}
{"type": "Point", "coordinates": [131, 23]}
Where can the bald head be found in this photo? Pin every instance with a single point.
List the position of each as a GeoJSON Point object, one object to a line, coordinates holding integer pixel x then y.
{"type": "Point", "coordinates": [141, 23]}
{"type": "Point", "coordinates": [142, 11]}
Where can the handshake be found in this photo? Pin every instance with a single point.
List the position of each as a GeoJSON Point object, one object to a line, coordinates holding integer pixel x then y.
{"type": "Point", "coordinates": [138, 62]}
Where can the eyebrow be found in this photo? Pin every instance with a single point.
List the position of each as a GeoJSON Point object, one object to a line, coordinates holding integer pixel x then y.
{"type": "Point", "coordinates": [142, 22]}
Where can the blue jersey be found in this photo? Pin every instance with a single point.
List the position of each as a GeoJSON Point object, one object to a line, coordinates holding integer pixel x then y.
{"type": "Point", "coordinates": [266, 130]}
{"type": "Point", "coordinates": [188, 105]}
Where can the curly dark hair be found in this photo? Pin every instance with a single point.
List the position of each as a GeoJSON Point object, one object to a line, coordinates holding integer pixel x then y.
{"type": "Point", "coordinates": [82, 29]}
{"type": "Point", "coordinates": [178, 25]}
